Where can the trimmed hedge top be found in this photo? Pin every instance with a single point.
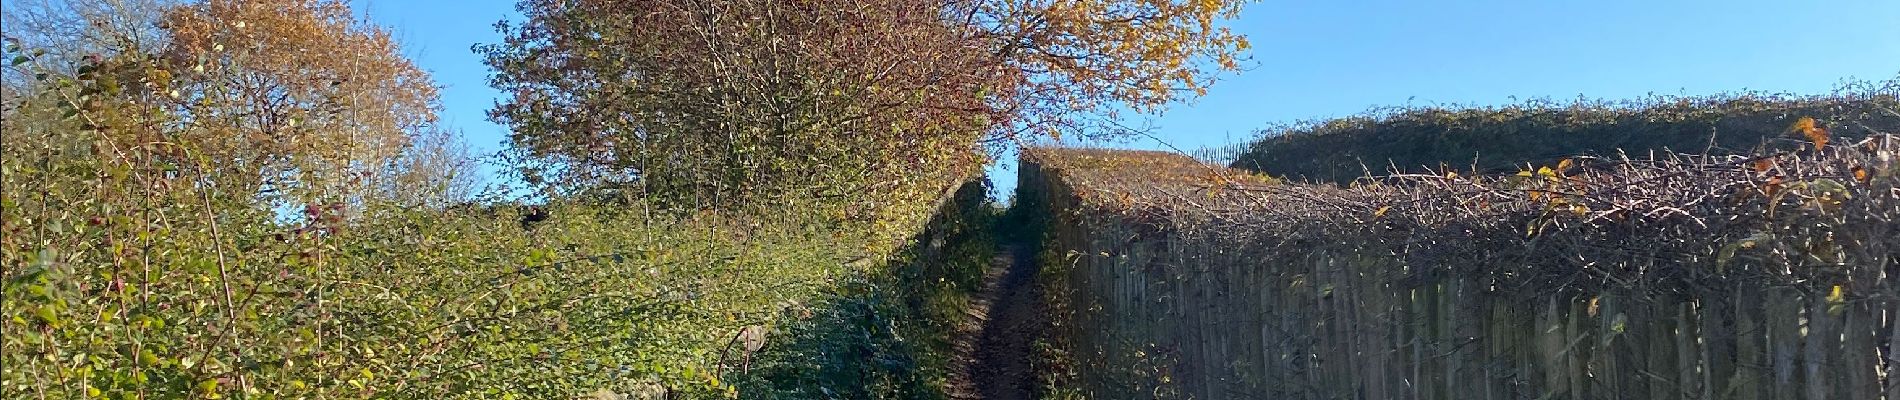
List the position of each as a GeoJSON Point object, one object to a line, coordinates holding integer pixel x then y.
{"type": "Point", "coordinates": [1136, 180]}
{"type": "Point", "coordinates": [1494, 139]}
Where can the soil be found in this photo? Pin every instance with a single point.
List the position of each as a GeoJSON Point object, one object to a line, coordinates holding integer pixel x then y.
{"type": "Point", "coordinates": [996, 342]}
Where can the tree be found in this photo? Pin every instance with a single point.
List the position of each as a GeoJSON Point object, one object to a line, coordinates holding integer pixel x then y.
{"type": "Point", "coordinates": [68, 31]}
{"type": "Point", "coordinates": [435, 170]}
{"type": "Point", "coordinates": [296, 95]}
{"type": "Point", "coordinates": [714, 104]}
{"type": "Point", "coordinates": [1076, 62]}
{"type": "Point", "coordinates": [283, 101]}
{"type": "Point", "coordinates": [135, 171]}
{"type": "Point", "coordinates": [728, 103]}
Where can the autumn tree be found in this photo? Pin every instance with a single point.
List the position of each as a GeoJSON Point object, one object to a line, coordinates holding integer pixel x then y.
{"type": "Point", "coordinates": [142, 174]}
{"type": "Point", "coordinates": [1077, 63]}
{"type": "Point", "coordinates": [729, 103]}
{"type": "Point", "coordinates": [282, 102]}
{"type": "Point", "coordinates": [297, 94]}
{"type": "Point", "coordinates": [67, 31]}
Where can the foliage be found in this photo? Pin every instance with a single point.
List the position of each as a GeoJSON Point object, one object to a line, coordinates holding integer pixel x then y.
{"type": "Point", "coordinates": [1075, 64]}
{"type": "Point", "coordinates": [888, 334]}
{"type": "Point", "coordinates": [227, 198]}
{"type": "Point", "coordinates": [727, 104]}
{"type": "Point", "coordinates": [1029, 222]}
{"type": "Point", "coordinates": [128, 279]}
{"type": "Point", "coordinates": [288, 101]}
{"type": "Point", "coordinates": [723, 105]}
{"type": "Point", "coordinates": [293, 94]}
{"type": "Point", "coordinates": [142, 254]}
{"type": "Point", "coordinates": [410, 304]}
{"type": "Point", "coordinates": [1500, 139]}
{"type": "Point", "coordinates": [436, 170]}
{"type": "Point", "coordinates": [68, 31]}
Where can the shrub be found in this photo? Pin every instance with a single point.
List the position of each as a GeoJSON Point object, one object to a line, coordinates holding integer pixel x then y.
{"type": "Point", "coordinates": [1501, 139]}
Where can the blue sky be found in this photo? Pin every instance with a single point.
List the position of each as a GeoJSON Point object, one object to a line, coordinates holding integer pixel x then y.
{"type": "Point", "coordinates": [1321, 59]}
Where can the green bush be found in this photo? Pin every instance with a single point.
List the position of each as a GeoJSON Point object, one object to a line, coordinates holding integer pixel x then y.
{"type": "Point", "coordinates": [128, 273]}
{"type": "Point", "coordinates": [887, 334]}
{"type": "Point", "coordinates": [412, 304]}
{"type": "Point", "coordinates": [133, 267]}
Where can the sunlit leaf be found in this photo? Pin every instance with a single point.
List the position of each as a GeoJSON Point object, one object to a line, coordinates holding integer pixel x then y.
{"type": "Point", "coordinates": [1807, 127]}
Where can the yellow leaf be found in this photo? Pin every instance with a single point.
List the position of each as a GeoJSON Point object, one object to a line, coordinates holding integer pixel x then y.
{"type": "Point", "coordinates": [1381, 211]}
{"type": "Point", "coordinates": [1836, 302]}
{"type": "Point", "coordinates": [1565, 165]}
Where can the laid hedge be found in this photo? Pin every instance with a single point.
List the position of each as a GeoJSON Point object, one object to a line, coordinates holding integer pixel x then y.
{"type": "Point", "coordinates": [1502, 138]}
{"type": "Point", "coordinates": [1766, 275]}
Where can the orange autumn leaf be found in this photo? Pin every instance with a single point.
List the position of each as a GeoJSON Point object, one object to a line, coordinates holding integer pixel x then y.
{"type": "Point", "coordinates": [1764, 164]}
{"type": "Point", "coordinates": [1860, 174]}
{"type": "Point", "coordinates": [1807, 127]}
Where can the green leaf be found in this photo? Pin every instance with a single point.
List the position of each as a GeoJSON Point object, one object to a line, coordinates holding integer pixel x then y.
{"type": "Point", "coordinates": [47, 314]}
{"type": "Point", "coordinates": [208, 387]}
{"type": "Point", "coordinates": [147, 358]}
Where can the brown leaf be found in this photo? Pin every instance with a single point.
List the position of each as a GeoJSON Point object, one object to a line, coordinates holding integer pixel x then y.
{"type": "Point", "coordinates": [1763, 165]}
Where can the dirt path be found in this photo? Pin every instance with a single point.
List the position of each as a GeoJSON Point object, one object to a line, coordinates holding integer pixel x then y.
{"type": "Point", "coordinates": [996, 342]}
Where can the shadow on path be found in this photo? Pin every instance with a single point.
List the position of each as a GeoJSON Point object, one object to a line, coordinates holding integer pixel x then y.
{"type": "Point", "coordinates": [996, 358]}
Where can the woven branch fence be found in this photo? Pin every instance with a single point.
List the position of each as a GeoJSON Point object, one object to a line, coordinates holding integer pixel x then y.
{"type": "Point", "coordinates": [1664, 276]}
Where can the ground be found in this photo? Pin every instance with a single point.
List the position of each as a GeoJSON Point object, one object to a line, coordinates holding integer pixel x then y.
{"type": "Point", "coordinates": [995, 342]}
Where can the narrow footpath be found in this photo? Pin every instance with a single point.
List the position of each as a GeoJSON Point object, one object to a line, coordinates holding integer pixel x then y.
{"type": "Point", "coordinates": [996, 340]}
